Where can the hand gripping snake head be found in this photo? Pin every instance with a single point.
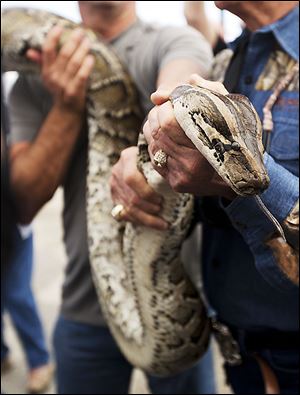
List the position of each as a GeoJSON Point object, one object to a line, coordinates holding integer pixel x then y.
{"type": "Point", "coordinates": [228, 133]}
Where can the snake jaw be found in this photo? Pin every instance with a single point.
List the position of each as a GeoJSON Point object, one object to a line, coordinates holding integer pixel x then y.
{"type": "Point", "coordinates": [243, 174]}
{"type": "Point", "coordinates": [243, 188]}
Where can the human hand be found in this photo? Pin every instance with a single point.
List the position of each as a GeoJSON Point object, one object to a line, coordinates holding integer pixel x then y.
{"type": "Point", "coordinates": [142, 205]}
{"type": "Point", "coordinates": [65, 72]}
{"type": "Point", "coordinates": [187, 170]}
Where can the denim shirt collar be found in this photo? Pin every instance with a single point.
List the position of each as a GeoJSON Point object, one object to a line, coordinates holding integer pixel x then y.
{"type": "Point", "coordinates": [285, 31]}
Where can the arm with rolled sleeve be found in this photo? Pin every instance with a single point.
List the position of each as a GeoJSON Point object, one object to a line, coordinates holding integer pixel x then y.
{"type": "Point", "coordinates": [281, 199]}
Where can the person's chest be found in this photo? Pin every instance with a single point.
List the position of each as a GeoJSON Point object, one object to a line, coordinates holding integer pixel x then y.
{"type": "Point", "coordinates": [265, 65]}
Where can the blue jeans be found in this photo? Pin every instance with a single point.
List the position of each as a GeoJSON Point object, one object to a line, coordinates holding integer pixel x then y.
{"type": "Point", "coordinates": [89, 362]}
{"type": "Point", "coordinates": [247, 378]}
{"type": "Point", "coordinates": [17, 299]}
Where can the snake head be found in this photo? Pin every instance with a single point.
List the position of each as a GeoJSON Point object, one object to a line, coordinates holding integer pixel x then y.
{"type": "Point", "coordinates": [22, 29]}
{"type": "Point", "coordinates": [227, 131]}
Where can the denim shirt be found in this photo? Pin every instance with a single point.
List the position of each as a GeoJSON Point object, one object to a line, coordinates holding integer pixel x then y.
{"type": "Point", "coordinates": [241, 276]}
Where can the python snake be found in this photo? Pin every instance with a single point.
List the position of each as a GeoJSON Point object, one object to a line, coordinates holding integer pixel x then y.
{"type": "Point", "coordinates": [152, 308]}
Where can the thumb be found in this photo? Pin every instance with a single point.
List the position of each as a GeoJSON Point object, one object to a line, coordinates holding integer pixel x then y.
{"type": "Point", "coordinates": [195, 79]}
{"type": "Point", "coordinates": [161, 95]}
{"type": "Point", "coordinates": [215, 86]}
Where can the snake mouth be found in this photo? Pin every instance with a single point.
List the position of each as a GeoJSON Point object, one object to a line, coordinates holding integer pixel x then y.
{"type": "Point", "coordinates": [255, 187]}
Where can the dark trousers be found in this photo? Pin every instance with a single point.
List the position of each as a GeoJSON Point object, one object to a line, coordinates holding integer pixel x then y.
{"type": "Point", "coordinates": [247, 378]}
{"type": "Point", "coordinates": [89, 362]}
{"type": "Point", "coordinates": [18, 300]}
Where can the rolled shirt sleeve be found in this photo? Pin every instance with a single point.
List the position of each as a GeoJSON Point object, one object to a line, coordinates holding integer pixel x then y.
{"type": "Point", "coordinates": [249, 219]}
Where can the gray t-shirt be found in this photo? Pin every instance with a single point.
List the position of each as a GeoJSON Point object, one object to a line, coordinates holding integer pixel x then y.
{"type": "Point", "coordinates": [144, 49]}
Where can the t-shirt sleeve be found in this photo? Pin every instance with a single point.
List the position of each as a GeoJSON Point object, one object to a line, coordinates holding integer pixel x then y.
{"type": "Point", "coordinates": [26, 108]}
{"type": "Point", "coordinates": [146, 49]}
{"type": "Point", "coordinates": [183, 43]}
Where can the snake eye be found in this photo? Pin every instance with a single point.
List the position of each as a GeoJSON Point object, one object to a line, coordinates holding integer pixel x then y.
{"type": "Point", "coordinates": [219, 148]}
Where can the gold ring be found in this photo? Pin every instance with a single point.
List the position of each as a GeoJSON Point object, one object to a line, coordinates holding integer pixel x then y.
{"type": "Point", "coordinates": [118, 212]}
{"type": "Point", "coordinates": [160, 158]}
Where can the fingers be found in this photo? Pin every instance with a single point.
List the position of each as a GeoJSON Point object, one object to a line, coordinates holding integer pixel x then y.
{"type": "Point", "coordinates": [75, 62]}
{"type": "Point", "coordinates": [160, 119]}
{"type": "Point", "coordinates": [130, 188]}
{"type": "Point", "coordinates": [66, 71]}
{"type": "Point", "coordinates": [126, 172]}
{"type": "Point", "coordinates": [121, 191]}
{"type": "Point", "coordinates": [139, 217]}
{"type": "Point", "coordinates": [51, 44]}
{"type": "Point", "coordinates": [68, 49]}
{"type": "Point", "coordinates": [138, 183]}
{"type": "Point", "coordinates": [164, 144]}
{"type": "Point", "coordinates": [215, 86]}
{"type": "Point", "coordinates": [78, 83]}
{"type": "Point", "coordinates": [161, 95]}
{"type": "Point", "coordinates": [137, 210]}
{"type": "Point", "coordinates": [162, 132]}
{"type": "Point", "coordinates": [162, 122]}
{"type": "Point", "coordinates": [170, 126]}
{"type": "Point", "coordinates": [153, 125]}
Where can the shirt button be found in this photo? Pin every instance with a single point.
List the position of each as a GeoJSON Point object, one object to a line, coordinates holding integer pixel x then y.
{"type": "Point", "coordinates": [248, 80]}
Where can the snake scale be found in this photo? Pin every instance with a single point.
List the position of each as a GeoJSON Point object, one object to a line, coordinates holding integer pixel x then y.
{"type": "Point", "coordinates": [153, 310]}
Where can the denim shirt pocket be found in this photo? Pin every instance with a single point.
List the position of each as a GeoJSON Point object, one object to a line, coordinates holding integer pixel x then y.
{"type": "Point", "coordinates": [284, 146]}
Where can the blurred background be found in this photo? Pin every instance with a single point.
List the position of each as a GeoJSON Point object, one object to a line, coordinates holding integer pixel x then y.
{"type": "Point", "coordinates": [162, 12]}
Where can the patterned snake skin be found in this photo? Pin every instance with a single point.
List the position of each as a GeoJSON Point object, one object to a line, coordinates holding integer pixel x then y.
{"type": "Point", "coordinates": [152, 308]}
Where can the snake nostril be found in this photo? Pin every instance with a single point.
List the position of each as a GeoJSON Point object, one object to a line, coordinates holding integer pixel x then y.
{"type": "Point", "coordinates": [235, 146]}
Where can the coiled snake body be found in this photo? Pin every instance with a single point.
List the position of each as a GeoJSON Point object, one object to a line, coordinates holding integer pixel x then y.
{"type": "Point", "coordinates": [152, 308]}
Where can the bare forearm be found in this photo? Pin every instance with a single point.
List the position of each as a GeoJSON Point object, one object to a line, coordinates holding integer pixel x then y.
{"type": "Point", "coordinates": [195, 15]}
{"type": "Point", "coordinates": [178, 72]}
{"type": "Point", "coordinates": [38, 170]}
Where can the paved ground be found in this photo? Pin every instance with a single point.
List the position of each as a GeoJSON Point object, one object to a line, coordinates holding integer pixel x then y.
{"type": "Point", "coordinates": [50, 260]}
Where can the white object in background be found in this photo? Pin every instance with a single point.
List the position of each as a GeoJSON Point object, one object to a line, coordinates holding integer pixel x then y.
{"type": "Point", "coordinates": [25, 231]}
{"type": "Point", "coordinates": [161, 12]}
